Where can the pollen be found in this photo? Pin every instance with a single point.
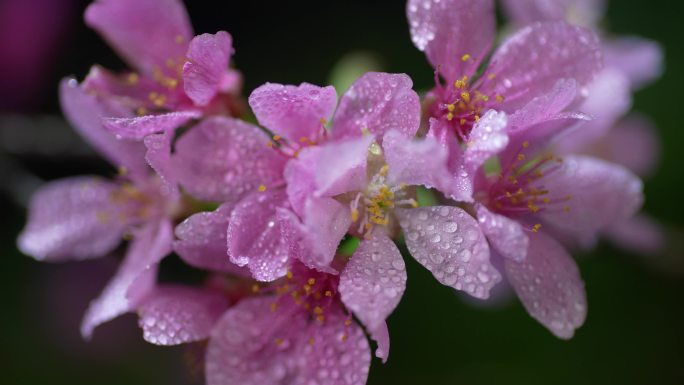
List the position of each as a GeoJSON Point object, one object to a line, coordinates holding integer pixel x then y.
{"type": "Point", "coordinates": [499, 98]}
{"type": "Point", "coordinates": [262, 188]}
{"type": "Point", "coordinates": [132, 78]}
{"type": "Point", "coordinates": [465, 95]}
{"type": "Point", "coordinates": [355, 215]}
{"type": "Point", "coordinates": [465, 57]}
{"type": "Point", "coordinates": [536, 228]}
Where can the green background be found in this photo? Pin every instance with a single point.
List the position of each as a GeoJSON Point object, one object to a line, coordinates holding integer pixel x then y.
{"type": "Point", "coordinates": [633, 334]}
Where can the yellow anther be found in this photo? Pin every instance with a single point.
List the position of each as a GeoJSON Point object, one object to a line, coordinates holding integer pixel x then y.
{"type": "Point", "coordinates": [355, 215]}
{"type": "Point", "coordinates": [461, 83]}
{"type": "Point", "coordinates": [279, 341]}
{"type": "Point", "coordinates": [179, 39]}
{"type": "Point", "coordinates": [318, 310]}
{"type": "Point", "coordinates": [153, 95]}
{"type": "Point", "coordinates": [274, 306]}
{"type": "Point", "coordinates": [270, 144]}
{"type": "Point", "coordinates": [303, 139]}
{"type": "Point", "coordinates": [566, 208]}
{"type": "Point", "coordinates": [289, 275]}
{"type": "Point", "coordinates": [383, 171]}
{"type": "Point", "coordinates": [122, 170]}
{"type": "Point", "coordinates": [521, 156]}
{"type": "Point", "coordinates": [526, 144]}
{"type": "Point", "coordinates": [255, 288]}
{"type": "Point", "coordinates": [451, 107]}
{"type": "Point", "coordinates": [276, 137]}
{"type": "Point", "coordinates": [465, 95]}
{"type": "Point", "coordinates": [491, 76]}
{"type": "Point", "coordinates": [311, 281]}
{"type": "Point", "coordinates": [132, 78]}
{"type": "Point", "coordinates": [140, 111]}
{"type": "Point", "coordinates": [477, 118]}
{"type": "Point", "coordinates": [328, 293]}
{"type": "Point", "coordinates": [546, 200]}
{"type": "Point", "coordinates": [450, 116]}
{"type": "Point", "coordinates": [344, 337]}
{"type": "Point", "coordinates": [262, 188]}
{"type": "Point", "coordinates": [532, 207]}
{"type": "Point", "coordinates": [324, 121]}
{"type": "Point", "coordinates": [320, 318]}
{"type": "Point", "coordinates": [536, 227]}
{"type": "Point", "coordinates": [462, 121]}
{"type": "Point", "coordinates": [499, 98]}
{"type": "Point", "coordinates": [311, 341]}
{"type": "Point", "coordinates": [465, 57]}
{"type": "Point", "coordinates": [347, 322]}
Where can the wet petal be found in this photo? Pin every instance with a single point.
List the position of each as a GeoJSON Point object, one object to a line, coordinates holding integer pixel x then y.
{"type": "Point", "coordinates": [341, 166]}
{"type": "Point", "coordinates": [373, 282]}
{"type": "Point", "coordinates": [531, 61]}
{"type": "Point", "coordinates": [487, 139]}
{"type": "Point", "coordinates": [223, 159]}
{"type": "Point", "coordinates": [420, 162]}
{"type": "Point", "coordinates": [140, 127]}
{"type": "Point", "coordinates": [504, 234]}
{"type": "Point", "coordinates": [159, 158]}
{"type": "Point", "coordinates": [145, 33]}
{"type": "Point", "coordinates": [378, 102]}
{"type": "Point", "coordinates": [597, 194]}
{"type": "Point", "coordinates": [449, 243]}
{"type": "Point", "coordinates": [294, 112]}
{"type": "Point", "coordinates": [202, 241]}
{"type": "Point", "coordinates": [632, 143]}
{"type": "Point", "coordinates": [174, 314]}
{"type": "Point", "coordinates": [85, 113]}
{"type": "Point", "coordinates": [207, 66]}
{"type": "Point", "coordinates": [73, 218]}
{"type": "Point", "coordinates": [254, 238]}
{"type": "Point", "coordinates": [243, 349]}
{"type": "Point", "coordinates": [448, 30]}
{"type": "Point", "coordinates": [134, 279]}
{"type": "Point", "coordinates": [549, 285]}
{"type": "Point", "coordinates": [641, 234]}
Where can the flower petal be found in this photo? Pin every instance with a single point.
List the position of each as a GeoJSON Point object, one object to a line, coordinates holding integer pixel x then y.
{"type": "Point", "coordinates": [85, 113]}
{"type": "Point", "coordinates": [549, 285]}
{"type": "Point", "coordinates": [159, 158]}
{"type": "Point", "coordinates": [378, 102]}
{"type": "Point", "coordinates": [294, 112]}
{"type": "Point", "coordinates": [600, 194]}
{"type": "Point", "coordinates": [73, 218]}
{"type": "Point", "coordinates": [243, 349]}
{"type": "Point", "coordinates": [174, 314]}
{"type": "Point", "coordinates": [449, 243]}
{"type": "Point", "coordinates": [139, 127]}
{"type": "Point", "coordinates": [487, 139]}
{"type": "Point", "coordinates": [641, 234]}
{"type": "Point", "coordinates": [202, 241]}
{"type": "Point", "coordinates": [448, 30]}
{"type": "Point", "coordinates": [641, 60]}
{"type": "Point", "coordinates": [421, 162]}
{"type": "Point", "coordinates": [373, 282]}
{"type": "Point", "coordinates": [223, 159]}
{"type": "Point", "coordinates": [341, 166]}
{"type": "Point", "coordinates": [134, 279]}
{"type": "Point", "coordinates": [531, 61]}
{"type": "Point", "coordinates": [204, 73]}
{"type": "Point", "coordinates": [254, 238]}
{"type": "Point", "coordinates": [145, 33]}
{"type": "Point", "coordinates": [504, 234]}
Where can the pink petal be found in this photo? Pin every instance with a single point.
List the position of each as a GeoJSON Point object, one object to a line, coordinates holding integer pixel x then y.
{"type": "Point", "coordinates": [601, 194]}
{"type": "Point", "coordinates": [581, 12]}
{"type": "Point", "coordinates": [487, 139]}
{"type": "Point", "coordinates": [341, 166]}
{"type": "Point", "coordinates": [254, 238]}
{"type": "Point", "coordinates": [549, 285]}
{"type": "Point", "coordinates": [633, 143]}
{"type": "Point", "coordinates": [300, 177]}
{"type": "Point", "coordinates": [449, 29]}
{"type": "Point", "coordinates": [223, 159]}
{"type": "Point", "coordinates": [641, 234]}
{"type": "Point", "coordinates": [505, 235]}
{"type": "Point", "coordinates": [460, 186]}
{"type": "Point", "coordinates": [73, 218]}
{"type": "Point", "coordinates": [373, 282]}
{"type": "Point", "coordinates": [208, 56]}
{"type": "Point", "coordinates": [159, 158]}
{"type": "Point", "coordinates": [421, 162]}
{"type": "Point", "coordinates": [381, 336]}
{"type": "Point", "coordinates": [134, 279]}
{"type": "Point", "coordinates": [138, 128]}
{"type": "Point", "coordinates": [243, 348]}
{"type": "Point", "coordinates": [85, 112]}
{"type": "Point", "coordinates": [449, 243]}
{"type": "Point", "coordinates": [531, 61]}
{"type": "Point", "coordinates": [202, 241]}
{"type": "Point", "coordinates": [641, 60]}
{"type": "Point", "coordinates": [378, 102]}
{"type": "Point", "coordinates": [145, 33]}
{"type": "Point", "coordinates": [294, 112]}
{"type": "Point", "coordinates": [174, 314]}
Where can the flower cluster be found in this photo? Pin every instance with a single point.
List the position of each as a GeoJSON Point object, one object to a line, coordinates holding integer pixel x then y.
{"type": "Point", "coordinates": [504, 145]}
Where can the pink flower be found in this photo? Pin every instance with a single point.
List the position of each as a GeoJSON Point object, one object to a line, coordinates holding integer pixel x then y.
{"type": "Point", "coordinates": [534, 73]}
{"type": "Point", "coordinates": [87, 217]}
{"type": "Point", "coordinates": [632, 141]}
{"type": "Point", "coordinates": [536, 199]}
{"type": "Point", "coordinates": [175, 77]}
{"type": "Point", "coordinates": [296, 329]}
